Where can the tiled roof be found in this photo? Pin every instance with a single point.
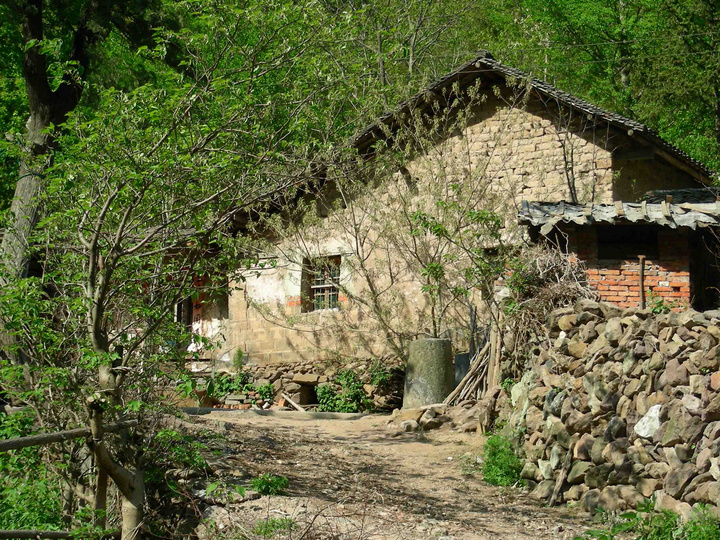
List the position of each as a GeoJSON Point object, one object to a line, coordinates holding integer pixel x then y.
{"type": "Point", "coordinates": [484, 63]}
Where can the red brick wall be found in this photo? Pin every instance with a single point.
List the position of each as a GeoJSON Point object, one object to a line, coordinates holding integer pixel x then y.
{"type": "Point", "coordinates": [618, 280]}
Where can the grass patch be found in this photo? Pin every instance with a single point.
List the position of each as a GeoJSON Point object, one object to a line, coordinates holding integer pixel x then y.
{"type": "Point", "coordinates": [267, 484]}
{"type": "Point", "coordinates": [272, 526]}
{"type": "Point", "coordinates": [501, 467]}
{"type": "Point", "coordinates": [647, 524]}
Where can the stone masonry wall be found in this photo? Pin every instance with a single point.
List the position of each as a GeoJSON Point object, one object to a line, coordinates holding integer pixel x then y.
{"type": "Point", "coordinates": [623, 405]}
{"type": "Point", "coordinates": [618, 280]}
{"type": "Point", "coordinates": [525, 153]}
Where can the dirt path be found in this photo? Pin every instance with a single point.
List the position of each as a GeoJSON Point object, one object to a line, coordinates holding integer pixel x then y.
{"type": "Point", "coordinates": [355, 479]}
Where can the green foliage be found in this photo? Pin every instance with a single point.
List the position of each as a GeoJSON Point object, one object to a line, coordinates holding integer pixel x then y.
{"type": "Point", "coordinates": [268, 484]}
{"type": "Point", "coordinates": [349, 398]}
{"type": "Point", "coordinates": [238, 359]}
{"type": "Point", "coordinates": [179, 450]}
{"type": "Point", "coordinates": [647, 524]}
{"type": "Point", "coordinates": [380, 376]}
{"type": "Point", "coordinates": [507, 385]}
{"type": "Point", "coordinates": [266, 391]}
{"type": "Point", "coordinates": [657, 304]}
{"type": "Point", "coordinates": [224, 384]}
{"type": "Point", "coordinates": [271, 526]}
{"type": "Point", "coordinates": [29, 495]}
{"type": "Point", "coordinates": [500, 467]}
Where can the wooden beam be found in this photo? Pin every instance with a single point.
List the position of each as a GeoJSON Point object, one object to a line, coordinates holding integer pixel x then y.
{"type": "Point", "coordinates": [50, 438]}
{"type": "Point", "coordinates": [635, 155]}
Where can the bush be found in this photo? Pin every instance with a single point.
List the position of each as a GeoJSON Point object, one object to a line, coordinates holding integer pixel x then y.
{"type": "Point", "coordinates": [646, 524]}
{"type": "Point", "coordinates": [266, 391]}
{"type": "Point", "coordinates": [267, 484]}
{"type": "Point", "coordinates": [29, 494]}
{"type": "Point", "coordinates": [350, 398]}
{"type": "Point", "coordinates": [267, 529]}
{"type": "Point", "coordinates": [501, 467]}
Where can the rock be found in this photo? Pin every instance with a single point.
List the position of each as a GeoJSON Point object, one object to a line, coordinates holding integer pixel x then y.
{"type": "Point", "coordinates": [663, 501]}
{"type": "Point", "coordinates": [596, 451]}
{"type": "Point", "coordinates": [613, 331]}
{"type": "Point", "coordinates": [672, 459]}
{"type": "Point", "coordinates": [630, 495]}
{"type": "Point", "coordinates": [649, 423]}
{"type": "Point", "coordinates": [545, 468]}
{"type": "Point", "coordinates": [597, 477]}
{"type": "Point", "coordinates": [682, 427]}
{"type": "Point", "coordinates": [582, 448]}
{"type": "Point", "coordinates": [575, 492]}
{"type": "Point", "coordinates": [557, 454]}
{"type": "Point", "coordinates": [648, 486]}
{"type": "Point", "coordinates": [409, 414]}
{"type": "Point", "coordinates": [715, 468]}
{"type": "Point", "coordinates": [306, 379]}
{"type": "Point", "coordinates": [712, 411]}
{"type": "Point", "coordinates": [615, 452]}
{"type": "Point", "coordinates": [585, 304]}
{"type": "Point", "coordinates": [567, 322]}
{"type": "Point", "coordinates": [702, 461]}
{"type": "Point", "coordinates": [576, 347]}
{"type": "Point", "coordinates": [715, 381]}
{"type": "Point", "coordinates": [676, 374]}
{"type": "Point", "coordinates": [678, 479]}
{"type": "Point", "coordinates": [692, 404]}
{"type": "Point", "coordinates": [590, 500]}
{"type": "Point", "coordinates": [576, 475]}
{"type": "Point", "coordinates": [616, 429]}
{"type": "Point", "coordinates": [409, 425]}
{"type": "Point", "coordinates": [611, 500]}
{"type": "Point", "coordinates": [579, 423]}
{"type": "Point", "coordinates": [529, 471]}
{"type": "Point", "coordinates": [657, 470]}
{"type": "Point", "coordinates": [543, 490]}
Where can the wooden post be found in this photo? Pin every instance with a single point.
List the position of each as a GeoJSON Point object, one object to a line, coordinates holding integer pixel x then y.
{"type": "Point", "coordinates": [641, 260]}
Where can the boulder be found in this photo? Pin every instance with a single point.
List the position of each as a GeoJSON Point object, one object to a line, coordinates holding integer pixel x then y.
{"type": "Point", "coordinates": [576, 475]}
{"type": "Point", "coordinates": [649, 423]}
{"type": "Point", "coordinates": [678, 479]}
{"type": "Point", "coordinates": [543, 490]}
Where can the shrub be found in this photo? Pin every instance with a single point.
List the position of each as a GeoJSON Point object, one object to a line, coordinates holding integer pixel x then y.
{"type": "Point", "coordinates": [266, 391]}
{"type": "Point", "coordinates": [267, 529]}
{"type": "Point", "coordinates": [379, 376]}
{"type": "Point", "coordinates": [267, 484]}
{"type": "Point", "coordinates": [501, 467]}
{"type": "Point", "coordinates": [646, 524]}
{"type": "Point", "coordinates": [350, 398]}
{"type": "Point", "coordinates": [222, 385]}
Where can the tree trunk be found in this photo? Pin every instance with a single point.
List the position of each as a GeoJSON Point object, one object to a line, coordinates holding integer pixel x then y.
{"type": "Point", "coordinates": [132, 508]}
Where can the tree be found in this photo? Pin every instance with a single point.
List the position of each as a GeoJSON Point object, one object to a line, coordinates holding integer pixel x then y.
{"type": "Point", "coordinates": [132, 231]}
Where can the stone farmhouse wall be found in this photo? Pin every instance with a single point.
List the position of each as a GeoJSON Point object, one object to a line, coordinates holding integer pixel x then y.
{"type": "Point", "coordinates": [523, 151]}
{"type": "Point", "coordinates": [623, 405]}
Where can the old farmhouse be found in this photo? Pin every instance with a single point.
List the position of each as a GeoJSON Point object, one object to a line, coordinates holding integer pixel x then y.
{"type": "Point", "coordinates": [347, 282]}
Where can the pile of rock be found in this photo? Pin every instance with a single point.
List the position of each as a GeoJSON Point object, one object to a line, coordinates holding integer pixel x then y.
{"type": "Point", "coordinates": [465, 417]}
{"type": "Point", "coordinates": [298, 380]}
{"type": "Point", "coordinates": [622, 405]}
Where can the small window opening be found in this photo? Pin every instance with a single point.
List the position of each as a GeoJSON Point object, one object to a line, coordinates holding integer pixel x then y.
{"type": "Point", "coordinates": [184, 312]}
{"type": "Point", "coordinates": [320, 283]}
{"type": "Point", "coordinates": [627, 242]}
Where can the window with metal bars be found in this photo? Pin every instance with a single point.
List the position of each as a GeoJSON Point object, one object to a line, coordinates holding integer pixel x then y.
{"type": "Point", "coordinates": [320, 283]}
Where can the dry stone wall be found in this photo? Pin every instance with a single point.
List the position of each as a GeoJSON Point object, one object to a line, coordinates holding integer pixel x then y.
{"type": "Point", "coordinates": [623, 405]}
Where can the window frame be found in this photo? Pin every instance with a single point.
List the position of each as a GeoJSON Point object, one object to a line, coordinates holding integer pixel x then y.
{"type": "Point", "coordinates": [321, 279]}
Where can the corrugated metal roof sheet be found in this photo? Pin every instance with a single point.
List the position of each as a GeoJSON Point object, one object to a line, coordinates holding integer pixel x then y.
{"type": "Point", "coordinates": [468, 73]}
{"type": "Point", "coordinates": [548, 214]}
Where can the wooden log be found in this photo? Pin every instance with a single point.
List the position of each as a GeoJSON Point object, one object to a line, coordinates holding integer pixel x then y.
{"type": "Point", "coordinates": [60, 436]}
{"type": "Point", "coordinates": [291, 402]}
{"type": "Point", "coordinates": [474, 366]}
{"type": "Point", "coordinates": [561, 478]}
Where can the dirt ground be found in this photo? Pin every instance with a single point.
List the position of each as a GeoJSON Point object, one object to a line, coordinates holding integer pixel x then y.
{"type": "Point", "coordinates": [356, 479]}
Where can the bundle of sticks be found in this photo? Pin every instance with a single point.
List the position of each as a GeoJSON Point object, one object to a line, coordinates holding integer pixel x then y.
{"type": "Point", "coordinates": [474, 383]}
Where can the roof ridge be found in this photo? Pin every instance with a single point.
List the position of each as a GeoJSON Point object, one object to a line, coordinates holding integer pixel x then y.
{"type": "Point", "coordinates": [484, 58]}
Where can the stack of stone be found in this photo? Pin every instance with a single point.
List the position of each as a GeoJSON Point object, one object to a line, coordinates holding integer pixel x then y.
{"type": "Point", "coordinates": [622, 405]}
